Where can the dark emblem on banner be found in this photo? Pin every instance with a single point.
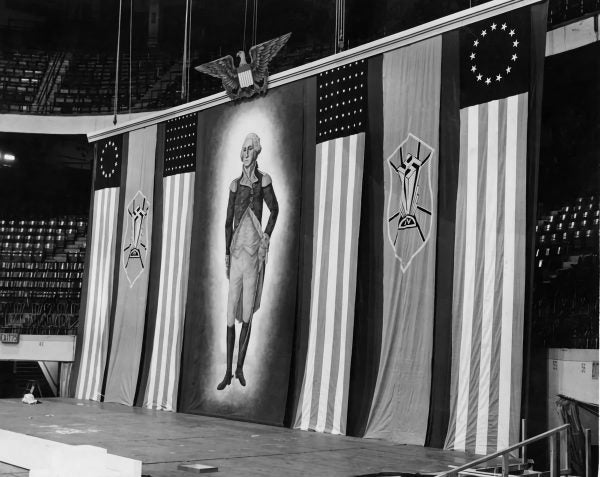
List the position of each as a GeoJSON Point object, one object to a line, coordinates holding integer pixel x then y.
{"type": "Point", "coordinates": [247, 79]}
{"type": "Point", "coordinates": [410, 201]}
{"type": "Point", "coordinates": [136, 248]}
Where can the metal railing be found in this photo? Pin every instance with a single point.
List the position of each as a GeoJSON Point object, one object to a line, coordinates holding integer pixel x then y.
{"type": "Point", "coordinates": [553, 435]}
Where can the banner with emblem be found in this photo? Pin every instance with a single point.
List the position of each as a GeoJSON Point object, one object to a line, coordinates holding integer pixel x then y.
{"type": "Point", "coordinates": [405, 204]}
{"type": "Point", "coordinates": [110, 160]}
{"type": "Point", "coordinates": [129, 311]}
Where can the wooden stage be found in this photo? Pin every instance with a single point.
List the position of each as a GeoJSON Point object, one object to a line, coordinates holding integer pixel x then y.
{"type": "Point", "coordinates": [163, 440]}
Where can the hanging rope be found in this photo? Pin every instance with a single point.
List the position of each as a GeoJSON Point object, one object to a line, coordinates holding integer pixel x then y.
{"type": "Point", "coordinates": [117, 65]}
{"type": "Point", "coordinates": [185, 54]}
{"type": "Point", "coordinates": [254, 22]}
{"type": "Point", "coordinates": [245, 16]}
{"type": "Point", "coordinates": [340, 25]}
{"type": "Point", "coordinates": [187, 98]}
{"type": "Point", "coordinates": [130, 48]}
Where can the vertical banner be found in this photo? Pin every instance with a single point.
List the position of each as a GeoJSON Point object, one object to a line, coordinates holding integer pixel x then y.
{"type": "Point", "coordinates": [98, 287]}
{"type": "Point", "coordinates": [132, 286]}
{"type": "Point", "coordinates": [411, 104]}
{"type": "Point", "coordinates": [176, 165]}
{"type": "Point", "coordinates": [489, 255]}
{"type": "Point", "coordinates": [341, 122]}
{"type": "Point", "coordinates": [244, 258]}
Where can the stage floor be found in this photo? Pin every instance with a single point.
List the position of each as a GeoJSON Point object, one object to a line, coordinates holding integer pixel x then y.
{"type": "Point", "coordinates": [163, 440]}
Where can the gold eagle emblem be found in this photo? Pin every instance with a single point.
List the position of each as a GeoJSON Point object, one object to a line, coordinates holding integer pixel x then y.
{"type": "Point", "coordinates": [247, 79]}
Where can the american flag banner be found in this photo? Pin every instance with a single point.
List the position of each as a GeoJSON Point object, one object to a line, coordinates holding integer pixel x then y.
{"type": "Point", "coordinates": [180, 139]}
{"type": "Point", "coordinates": [98, 283]}
{"type": "Point", "coordinates": [341, 122]}
{"type": "Point", "coordinates": [490, 245]}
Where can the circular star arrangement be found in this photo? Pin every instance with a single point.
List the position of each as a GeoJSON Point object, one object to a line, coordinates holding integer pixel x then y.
{"type": "Point", "coordinates": [108, 148]}
{"type": "Point", "coordinates": [485, 76]}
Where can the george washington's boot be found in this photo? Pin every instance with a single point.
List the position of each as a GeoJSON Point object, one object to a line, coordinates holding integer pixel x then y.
{"type": "Point", "coordinates": [242, 348]}
{"type": "Point", "coordinates": [230, 342]}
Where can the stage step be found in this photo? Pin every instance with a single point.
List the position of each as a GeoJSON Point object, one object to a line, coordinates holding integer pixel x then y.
{"type": "Point", "coordinates": [45, 458]}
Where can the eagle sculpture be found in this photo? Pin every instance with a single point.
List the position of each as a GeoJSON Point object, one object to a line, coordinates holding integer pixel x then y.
{"type": "Point", "coordinates": [247, 79]}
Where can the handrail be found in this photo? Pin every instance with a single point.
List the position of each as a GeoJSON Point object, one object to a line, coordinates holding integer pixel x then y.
{"type": "Point", "coordinates": [489, 457]}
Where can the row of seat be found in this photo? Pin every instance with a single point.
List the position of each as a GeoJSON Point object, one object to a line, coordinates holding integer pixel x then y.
{"type": "Point", "coordinates": [34, 307]}
{"type": "Point", "coordinates": [41, 294]}
{"type": "Point", "coordinates": [51, 324]}
{"type": "Point", "coordinates": [45, 266]}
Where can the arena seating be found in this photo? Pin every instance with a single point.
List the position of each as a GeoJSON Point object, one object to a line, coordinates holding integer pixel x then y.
{"type": "Point", "coordinates": [567, 276]}
{"type": "Point", "coordinates": [21, 73]}
{"type": "Point", "coordinates": [41, 268]}
{"type": "Point", "coordinates": [87, 85]}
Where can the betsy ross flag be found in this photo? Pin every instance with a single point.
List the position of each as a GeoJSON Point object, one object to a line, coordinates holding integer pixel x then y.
{"type": "Point", "coordinates": [496, 87]}
{"type": "Point", "coordinates": [167, 309]}
{"type": "Point", "coordinates": [340, 124]}
{"type": "Point", "coordinates": [98, 283]}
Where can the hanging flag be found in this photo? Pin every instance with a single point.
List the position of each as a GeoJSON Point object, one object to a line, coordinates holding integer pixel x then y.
{"type": "Point", "coordinates": [98, 284]}
{"type": "Point", "coordinates": [405, 202]}
{"type": "Point", "coordinates": [132, 285]}
{"type": "Point", "coordinates": [488, 302]}
{"type": "Point", "coordinates": [169, 288]}
{"type": "Point", "coordinates": [341, 122]}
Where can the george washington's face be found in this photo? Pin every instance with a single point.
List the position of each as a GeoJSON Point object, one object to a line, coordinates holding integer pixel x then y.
{"type": "Point", "coordinates": [249, 153]}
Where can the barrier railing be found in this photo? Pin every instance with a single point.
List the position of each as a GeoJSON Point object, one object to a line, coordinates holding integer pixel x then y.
{"type": "Point", "coordinates": [553, 435]}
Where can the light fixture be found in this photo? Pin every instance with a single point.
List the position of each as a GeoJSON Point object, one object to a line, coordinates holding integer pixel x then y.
{"type": "Point", "coordinates": [9, 157]}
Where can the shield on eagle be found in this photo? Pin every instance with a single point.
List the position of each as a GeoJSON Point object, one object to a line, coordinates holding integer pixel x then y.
{"type": "Point", "coordinates": [135, 243]}
{"type": "Point", "coordinates": [410, 199]}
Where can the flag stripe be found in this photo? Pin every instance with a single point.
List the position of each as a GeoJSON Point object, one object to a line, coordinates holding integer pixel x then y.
{"type": "Point", "coordinates": [307, 392]}
{"type": "Point", "coordinates": [489, 285]}
{"type": "Point", "coordinates": [489, 275]}
{"type": "Point", "coordinates": [469, 278]}
{"type": "Point", "coordinates": [98, 304]}
{"type": "Point", "coordinates": [177, 334]}
{"type": "Point", "coordinates": [94, 251]}
{"type": "Point", "coordinates": [350, 250]}
{"type": "Point", "coordinates": [330, 295]}
{"type": "Point", "coordinates": [509, 270]}
{"type": "Point", "coordinates": [158, 333]}
{"type": "Point", "coordinates": [338, 174]}
{"type": "Point", "coordinates": [161, 392]}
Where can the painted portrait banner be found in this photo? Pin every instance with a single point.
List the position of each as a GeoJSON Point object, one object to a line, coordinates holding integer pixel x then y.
{"type": "Point", "coordinates": [244, 258]}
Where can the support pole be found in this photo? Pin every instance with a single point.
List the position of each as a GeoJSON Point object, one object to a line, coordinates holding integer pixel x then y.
{"type": "Point", "coordinates": [524, 437]}
{"type": "Point", "coordinates": [505, 465]}
{"type": "Point", "coordinates": [588, 452]}
{"type": "Point", "coordinates": [554, 455]}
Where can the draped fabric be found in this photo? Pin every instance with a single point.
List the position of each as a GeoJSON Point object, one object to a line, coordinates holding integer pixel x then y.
{"type": "Point", "coordinates": [323, 398]}
{"type": "Point", "coordinates": [411, 95]}
{"type": "Point", "coordinates": [489, 275]}
{"type": "Point", "coordinates": [497, 151]}
{"type": "Point", "coordinates": [132, 285]}
{"type": "Point", "coordinates": [93, 337]}
{"type": "Point", "coordinates": [278, 121]}
{"type": "Point", "coordinates": [177, 154]}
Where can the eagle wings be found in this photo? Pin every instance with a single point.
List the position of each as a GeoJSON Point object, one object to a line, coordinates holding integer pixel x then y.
{"type": "Point", "coordinates": [260, 56]}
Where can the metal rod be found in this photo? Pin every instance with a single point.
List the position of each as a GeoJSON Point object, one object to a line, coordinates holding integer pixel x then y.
{"type": "Point", "coordinates": [481, 460]}
{"type": "Point", "coordinates": [185, 44]}
{"type": "Point", "coordinates": [587, 433]}
{"type": "Point", "coordinates": [117, 64]}
{"type": "Point", "coordinates": [554, 456]}
{"type": "Point", "coordinates": [505, 465]}
{"type": "Point", "coordinates": [523, 437]}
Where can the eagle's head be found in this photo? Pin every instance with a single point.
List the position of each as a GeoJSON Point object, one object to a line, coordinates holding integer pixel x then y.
{"type": "Point", "coordinates": [242, 56]}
